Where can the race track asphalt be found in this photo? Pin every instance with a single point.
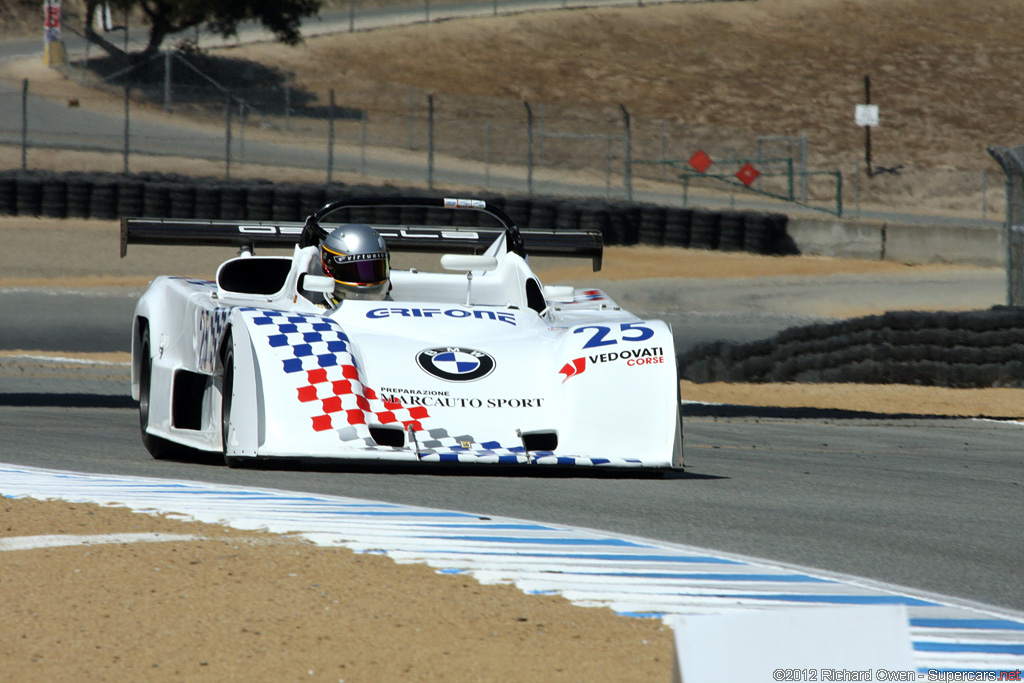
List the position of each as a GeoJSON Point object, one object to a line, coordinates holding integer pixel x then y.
{"type": "Point", "coordinates": [934, 504]}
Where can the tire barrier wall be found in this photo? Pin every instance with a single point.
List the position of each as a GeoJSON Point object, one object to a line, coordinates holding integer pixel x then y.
{"type": "Point", "coordinates": [968, 349]}
{"type": "Point", "coordinates": [108, 196]}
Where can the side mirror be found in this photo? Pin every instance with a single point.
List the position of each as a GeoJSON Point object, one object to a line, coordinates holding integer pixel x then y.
{"type": "Point", "coordinates": [559, 294]}
{"type": "Point", "coordinates": [317, 283]}
{"type": "Point", "coordinates": [468, 262]}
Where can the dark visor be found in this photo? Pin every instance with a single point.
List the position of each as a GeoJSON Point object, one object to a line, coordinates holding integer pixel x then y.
{"type": "Point", "coordinates": [349, 270]}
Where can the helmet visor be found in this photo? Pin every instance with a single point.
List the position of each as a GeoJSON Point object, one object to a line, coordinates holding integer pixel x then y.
{"type": "Point", "coordinates": [361, 269]}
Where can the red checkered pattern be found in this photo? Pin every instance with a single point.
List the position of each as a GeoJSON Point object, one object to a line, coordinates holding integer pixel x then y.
{"type": "Point", "coordinates": [345, 400]}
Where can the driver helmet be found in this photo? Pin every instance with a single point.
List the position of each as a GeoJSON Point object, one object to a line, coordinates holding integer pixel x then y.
{"type": "Point", "coordinates": [357, 258]}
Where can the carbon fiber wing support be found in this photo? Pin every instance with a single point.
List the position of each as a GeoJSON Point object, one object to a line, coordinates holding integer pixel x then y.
{"type": "Point", "coordinates": [410, 238]}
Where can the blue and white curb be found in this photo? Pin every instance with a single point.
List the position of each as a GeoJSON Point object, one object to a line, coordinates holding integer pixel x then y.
{"type": "Point", "coordinates": [633, 576]}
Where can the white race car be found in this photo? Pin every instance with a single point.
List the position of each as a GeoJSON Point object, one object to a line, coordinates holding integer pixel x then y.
{"type": "Point", "coordinates": [481, 364]}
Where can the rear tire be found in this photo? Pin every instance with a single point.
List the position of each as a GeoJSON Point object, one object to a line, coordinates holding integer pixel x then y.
{"type": "Point", "coordinates": [158, 447]}
{"type": "Point", "coordinates": [227, 389]}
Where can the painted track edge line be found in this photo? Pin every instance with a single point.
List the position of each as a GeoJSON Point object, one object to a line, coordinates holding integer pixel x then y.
{"type": "Point", "coordinates": [847, 579]}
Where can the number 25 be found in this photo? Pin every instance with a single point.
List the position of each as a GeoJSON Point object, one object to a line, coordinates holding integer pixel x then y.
{"type": "Point", "coordinates": [633, 332]}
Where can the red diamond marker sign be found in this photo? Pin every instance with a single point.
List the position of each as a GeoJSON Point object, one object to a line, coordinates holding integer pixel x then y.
{"type": "Point", "coordinates": [748, 174]}
{"type": "Point", "coordinates": [700, 161]}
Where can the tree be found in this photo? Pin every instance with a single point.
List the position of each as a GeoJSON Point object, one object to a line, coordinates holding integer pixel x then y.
{"type": "Point", "coordinates": [166, 17]}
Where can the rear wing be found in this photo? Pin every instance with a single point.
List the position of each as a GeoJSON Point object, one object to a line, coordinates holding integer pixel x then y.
{"type": "Point", "coordinates": [411, 238]}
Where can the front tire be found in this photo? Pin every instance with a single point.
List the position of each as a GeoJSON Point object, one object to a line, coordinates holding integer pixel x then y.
{"type": "Point", "coordinates": [158, 447]}
{"type": "Point", "coordinates": [677, 442]}
{"type": "Point", "coordinates": [227, 394]}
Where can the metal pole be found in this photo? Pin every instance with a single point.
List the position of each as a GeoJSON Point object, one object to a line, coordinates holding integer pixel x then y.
{"type": "Point", "coordinates": [430, 142]}
{"type": "Point", "coordinates": [227, 140]}
{"type": "Point", "coordinates": [487, 154]}
{"type": "Point", "coordinates": [664, 146]}
{"type": "Point", "coordinates": [628, 175]}
{"type": "Point", "coordinates": [127, 125]}
{"type": "Point", "coordinates": [867, 129]}
{"type": "Point", "coordinates": [803, 167]}
{"type": "Point", "coordinates": [789, 176]}
{"type": "Point", "coordinates": [1013, 167]}
{"type": "Point", "coordinates": [330, 138]}
{"type": "Point", "coordinates": [241, 132]}
{"type": "Point", "coordinates": [167, 81]}
{"type": "Point", "coordinates": [412, 106]}
{"type": "Point", "coordinates": [1013, 263]}
{"type": "Point", "coordinates": [529, 149]}
{"type": "Point", "coordinates": [351, 15]}
{"type": "Point", "coordinates": [428, 10]}
{"type": "Point", "coordinates": [984, 193]}
{"type": "Point", "coordinates": [856, 187]}
{"type": "Point", "coordinates": [540, 134]}
{"type": "Point", "coordinates": [839, 193]}
{"type": "Point", "coordinates": [608, 169]}
{"type": "Point", "coordinates": [362, 145]}
{"type": "Point", "coordinates": [24, 125]}
{"type": "Point", "coordinates": [288, 100]}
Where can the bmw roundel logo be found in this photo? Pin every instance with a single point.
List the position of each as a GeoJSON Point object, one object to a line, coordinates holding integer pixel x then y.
{"type": "Point", "coordinates": [455, 363]}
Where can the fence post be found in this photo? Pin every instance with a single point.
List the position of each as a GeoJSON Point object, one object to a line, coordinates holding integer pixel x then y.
{"type": "Point", "coordinates": [803, 167]}
{"type": "Point", "coordinates": [127, 125]}
{"type": "Point", "coordinates": [241, 131]}
{"type": "Point", "coordinates": [789, 178]}
{"type": "Point", "coordinates": [487, 155]}
{"type": "Point", "coordinates": [167, 81]}
{"type": "Point", "coordinates": [529, 149]}
{"type": "Point", "coordinates": [541, 137]}
{"type": "Point", "coordinates": [288, 101]}
{"type": "Point", "coordinates": [227, 140]}
{"type": "Point", "coordinates": [1013, 166]}
{"type": "Point", "coordinates": [984, 193]}
{"type": "Point", "coordinates": [628, 175]}
{"type": "Point", "coordinates": [839, 193]}
{"type": "Point", "coordinates": [24, 125]}
{"type": "Point", "coordinates": [330, 138]}
{"type": "Point", "coordinates": [856, 187]}
{"type": "Point", "coordinates": [412, 105]}
{"type": "Point", "coordinates": [351, 15]}
{"type": "Point", "coordinates": [362, 144]}
{"type": "Point", "coordinates": [664, 146]}
{"type": "Point", "coordinates": [430, 142]}
{"type": "Point", "coordinates": [608, 169]}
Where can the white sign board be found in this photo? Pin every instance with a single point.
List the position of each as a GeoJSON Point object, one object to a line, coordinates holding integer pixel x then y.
{"type": "Point", "coordinates": [866, 115]}
{"type": "Point", "coordinates": [849, 643]}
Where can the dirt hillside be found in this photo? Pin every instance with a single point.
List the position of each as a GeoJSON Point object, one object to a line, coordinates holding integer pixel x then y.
{"type": "Point", "coordinates": [944, 74]}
